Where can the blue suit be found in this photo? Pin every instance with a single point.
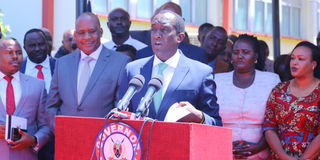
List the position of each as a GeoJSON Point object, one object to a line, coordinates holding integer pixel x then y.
{"type": "Point", "coordinates": [189, 50]}
{"type": "Point", "coordinates": [192, 81]}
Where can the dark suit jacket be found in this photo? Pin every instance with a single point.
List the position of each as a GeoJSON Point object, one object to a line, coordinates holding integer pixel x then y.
{"type": "Point", "coordinates": [143, 36]}
{"type": "Point", "coordinates": [192, 81]}
{"type": "Point", "coordinates": [189, 50]}
{"type": "Point", "coordinates": [100, 93]}
{"type": "Point", "coordinates": [52, 62]}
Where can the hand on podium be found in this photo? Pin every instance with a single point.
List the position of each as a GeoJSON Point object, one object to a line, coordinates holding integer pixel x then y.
{"type": "Point", "coordinates": [184, 112]}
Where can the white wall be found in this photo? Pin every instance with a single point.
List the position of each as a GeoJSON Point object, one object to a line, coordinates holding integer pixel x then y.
{"type": "Point", "coordinates": [21, 15]}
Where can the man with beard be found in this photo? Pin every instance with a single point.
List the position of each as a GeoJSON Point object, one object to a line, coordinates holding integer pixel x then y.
{"type": "Point", "coordinates": [38, 63]}
{"type": "Point", "coordinates": [119, 24]}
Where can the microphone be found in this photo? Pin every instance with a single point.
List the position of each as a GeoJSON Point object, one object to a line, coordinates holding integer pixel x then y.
{"type": "Point", "coordinates": [135, 86]}
{"type": "Point", "coordinates": [154, 85]}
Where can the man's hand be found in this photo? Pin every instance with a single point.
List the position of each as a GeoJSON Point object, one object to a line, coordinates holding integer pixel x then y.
{"type": "Point", "coordinates": [26, 141]}
{"type": "Point", "coordinates": [194, 116]}
{"type": "Point", "coordinates": [2, 131]}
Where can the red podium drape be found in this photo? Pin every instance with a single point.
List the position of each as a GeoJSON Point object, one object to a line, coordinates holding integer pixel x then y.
{"type": "Point", "coordinates": [75, 139]}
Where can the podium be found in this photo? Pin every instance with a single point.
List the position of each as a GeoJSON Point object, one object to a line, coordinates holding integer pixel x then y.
{"type": "Point", "coordinates": [75, 139]}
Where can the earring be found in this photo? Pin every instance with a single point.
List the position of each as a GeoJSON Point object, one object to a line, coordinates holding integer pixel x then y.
{"type": "Point", "coordinates": [256, 61]}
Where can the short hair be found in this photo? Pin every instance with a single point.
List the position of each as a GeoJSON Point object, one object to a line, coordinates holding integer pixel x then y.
{"type": "Point", "coordinates": [315, 55]}
{"type": "Point", "coordinates": [90, 15]}
{"type": "Point", "coordinates": [204, 26]}
{"type": "Point", "coordinates": [43, 35]}
{"type": "Point", "coordinates": [253, 41]}
{"type": "Point", "coordinates": [127, 47]}
{"type": "Point", "coordinates": [178, 24]}
{"type": "Point", "coordinates": [119, 9]}
{"type": "Point", "coordinates": [282, 67]}
{"type": "Point", "coordinates": [8, 38]}
{"type": "Point", "coordinates": [176, 8]}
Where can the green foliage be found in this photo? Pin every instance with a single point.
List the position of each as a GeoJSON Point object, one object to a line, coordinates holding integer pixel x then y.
{"type": "Point", "coordinates": [5, 29]}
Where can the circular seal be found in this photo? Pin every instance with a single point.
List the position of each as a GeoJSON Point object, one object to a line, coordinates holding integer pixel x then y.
{"type": "Point", "coordinates": [118, 141]}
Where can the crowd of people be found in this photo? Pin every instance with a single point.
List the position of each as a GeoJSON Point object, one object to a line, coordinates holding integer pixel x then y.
{"type": "Point", "coordinates": [272, 107]}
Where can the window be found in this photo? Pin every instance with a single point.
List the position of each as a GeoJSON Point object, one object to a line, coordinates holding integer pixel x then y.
{"type": "Point", "coordinates": [118, 4]}
{"type": "Point", "coordinates": [144, 9]}
{"type": "Point", "coordinates": [268, 25]}
{"type": "Point", "coordinates": [99, 6]}
{"type": "Point", "coordinates": [200, 12]}
{"type": "Point", "coordinates": [259, 17]}
{"type": "Point", "coordinates": [241, 14]}
{"type": "Point", "coordinates": [295, 22]}
{"type": "Point", "coordinates": [193, 11]}
{"type": "Point", "coordinates": [285, 21]}
{"type": "Point", "coordinates": [186, 10]}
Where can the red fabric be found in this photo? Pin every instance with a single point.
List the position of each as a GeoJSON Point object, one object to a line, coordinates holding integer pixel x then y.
{"type": "Point", "coordinates": [75, 138]}
{"type": "Point", "coordinates": [10, 104]}
{"type": "Point", "coordinates": [40, 73]}
{"type": "Point", "coordinates": [295, 119]}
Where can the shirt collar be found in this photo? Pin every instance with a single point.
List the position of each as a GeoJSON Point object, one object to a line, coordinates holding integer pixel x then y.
{"type": "Point", "coordinates": [16, 76]}
{"type": "Point", "coordinates": [172, 61]}
{"type": "Point", "coordinates": [45, 63]}
{"type": "Point", "coordinates": [114, 45]}
{"type": "Point", "coordinates": [94, 55]}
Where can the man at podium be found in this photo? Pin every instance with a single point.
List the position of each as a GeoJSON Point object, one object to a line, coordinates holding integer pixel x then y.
{"type": "Point", "coordinates": [187, 85]}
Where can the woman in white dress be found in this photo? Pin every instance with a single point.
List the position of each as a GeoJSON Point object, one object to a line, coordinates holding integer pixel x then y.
{"type": "Point", "coordinates": [242, 96]}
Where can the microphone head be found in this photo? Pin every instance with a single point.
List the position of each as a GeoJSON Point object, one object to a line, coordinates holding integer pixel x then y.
{"type": "Point", "coordinates": [156, 81]}
{"type": "Point", "coordinates": [137, 81]}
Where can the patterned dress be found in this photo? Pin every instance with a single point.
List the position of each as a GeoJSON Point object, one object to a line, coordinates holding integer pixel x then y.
{"type": "Point", "coordinates": [296, 120]}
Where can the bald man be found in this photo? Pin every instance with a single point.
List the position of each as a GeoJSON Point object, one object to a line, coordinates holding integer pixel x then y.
{"type": "Point", "coordinates": [85, 82]}
{"type": "Point", "coordinates": [68, 44]}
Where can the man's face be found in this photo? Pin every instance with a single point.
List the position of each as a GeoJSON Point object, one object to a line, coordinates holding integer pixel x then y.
{"type": "Point", "coordinates": [164, 37]}
{"type": "Point", "coordinates": [10, 57]}
{"type": "Point", "coordinates": [88, 34]}
{"type": "Point", "coordinates": [36, 47]}
{"type": "Point", "coordinates": [67, 41]}
{"type": "Point", "coordinates": [119, 23]}
{"type": "Point", "coordinates": [215, 42]}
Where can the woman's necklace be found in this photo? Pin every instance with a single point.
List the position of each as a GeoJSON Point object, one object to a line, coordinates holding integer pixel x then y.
{"type": "Point", "coordinates": [243, 84]}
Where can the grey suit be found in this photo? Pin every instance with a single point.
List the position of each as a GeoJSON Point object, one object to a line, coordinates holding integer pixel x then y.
{"type": "Point", "coordinates": [100, 94]}
{"type": "Point", "coordinates": [32, 107]}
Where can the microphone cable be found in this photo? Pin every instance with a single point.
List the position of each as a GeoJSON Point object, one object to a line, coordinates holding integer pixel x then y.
{"type": "Point", "coordinates": [149, 136]}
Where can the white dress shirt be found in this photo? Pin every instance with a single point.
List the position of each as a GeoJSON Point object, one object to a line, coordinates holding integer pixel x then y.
{"type": "Point", "coordinates": [16, 88]}
{"type": "Point", "coordinates": [92, 63]}
{"type": "Point", "coordinates": [130, 41]}
{"type": "Point", "coordinates": [32, 71]}
{"type": "Point", "coordinates": [168, 72]}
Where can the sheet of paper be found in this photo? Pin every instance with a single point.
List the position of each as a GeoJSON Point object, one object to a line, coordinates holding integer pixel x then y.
{"type": "Point", "coordinates": [174, 114]}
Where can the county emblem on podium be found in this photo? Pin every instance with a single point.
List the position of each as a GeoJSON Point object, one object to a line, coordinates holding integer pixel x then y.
{"type": "Point", "coordinates": [118, 141]}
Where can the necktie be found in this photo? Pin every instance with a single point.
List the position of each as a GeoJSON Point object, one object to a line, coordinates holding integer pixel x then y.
{"type": "Point", "coordinates": [84, 77]}
{"type": "Point", "coordinates": [158, 96]}
{"type": "Point", "coordinates": [10, 104]}
{"type": "Point", "coordinates": [40, 73]}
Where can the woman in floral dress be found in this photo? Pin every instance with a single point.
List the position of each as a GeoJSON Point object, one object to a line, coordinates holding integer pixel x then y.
{"type": "Point", "coordinates": [292, 118]}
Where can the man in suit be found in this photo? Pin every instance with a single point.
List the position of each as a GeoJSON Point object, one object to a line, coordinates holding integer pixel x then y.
{"type": "Point", "coordinates": [187, 83]}
{"type": "Point", "coordinates": [21, 96]}
{"type": "Point", "coordinates": [38, 64]}
{"type": "Point", "coordinates": [85, 82]}
{"type": "Point", "coordinates": [189, 50]}
{"type": "Point", "coordinates": [119, 24]}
